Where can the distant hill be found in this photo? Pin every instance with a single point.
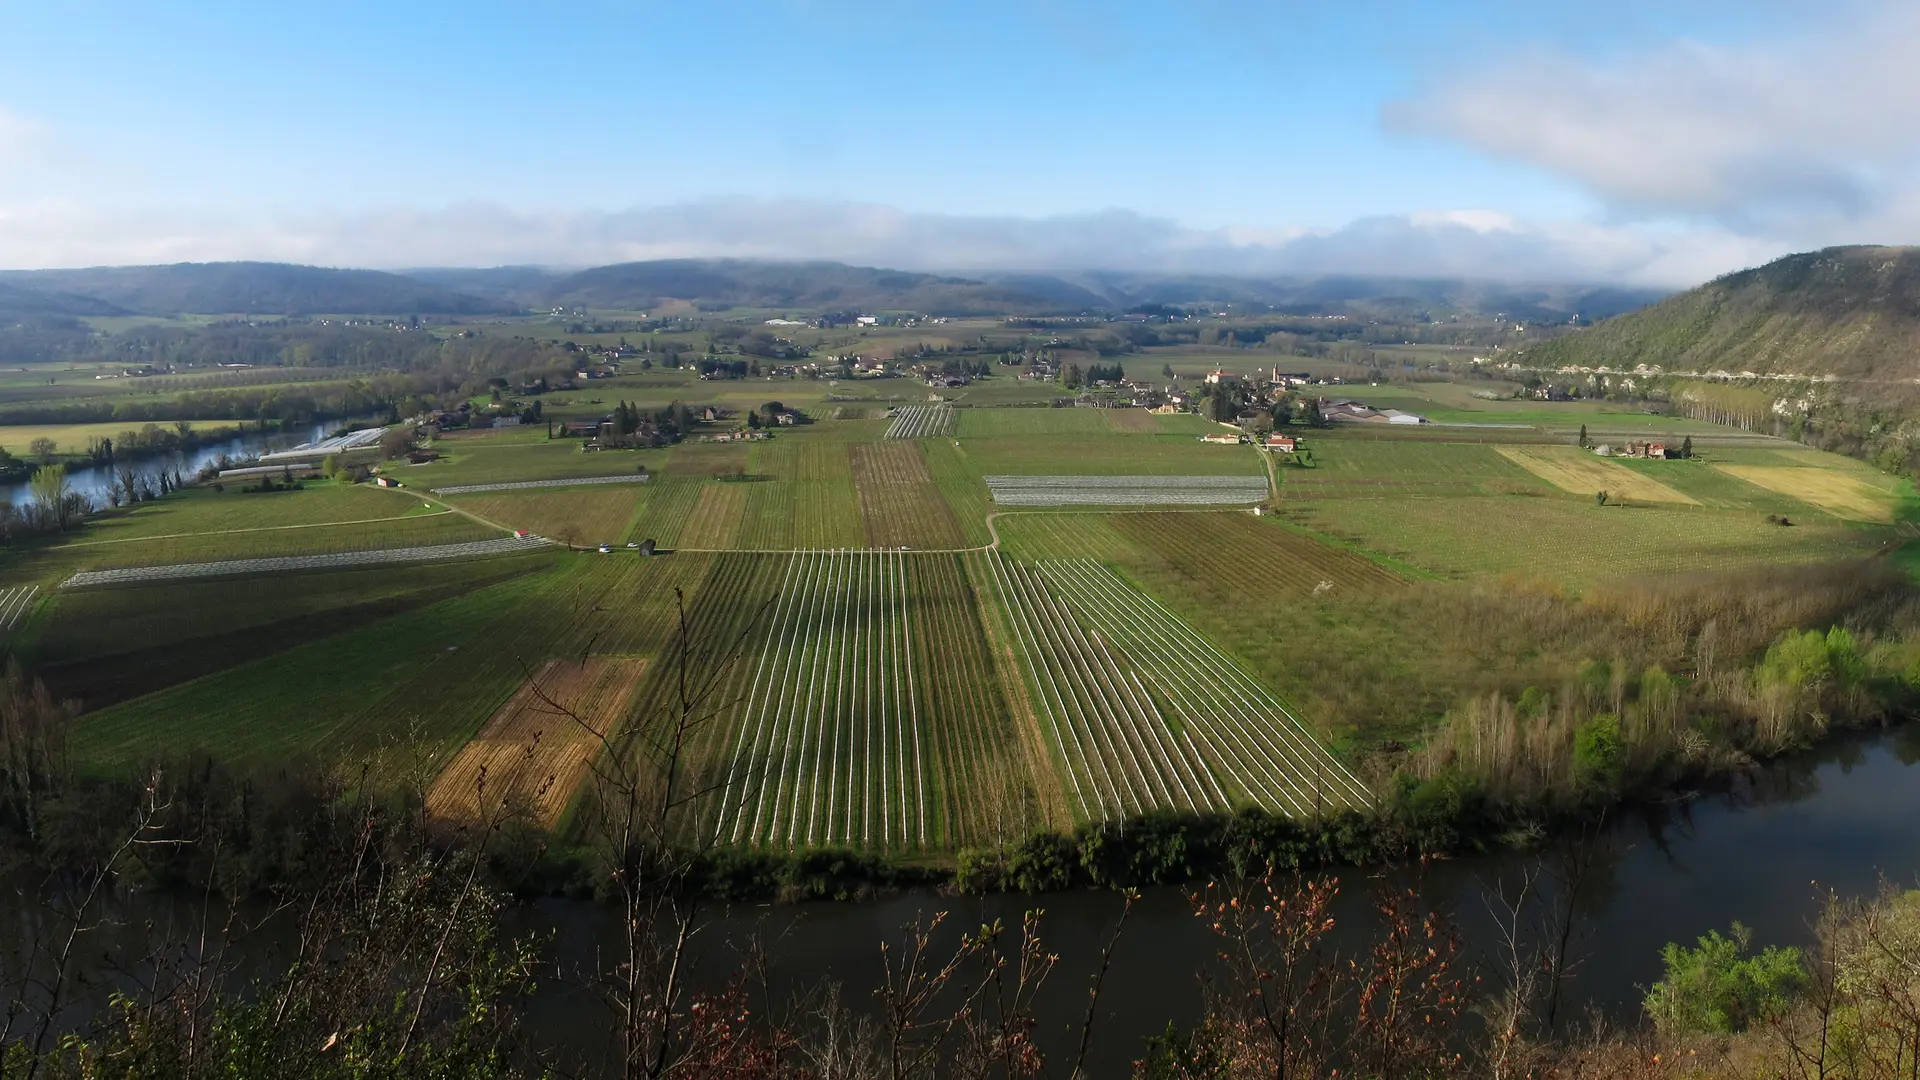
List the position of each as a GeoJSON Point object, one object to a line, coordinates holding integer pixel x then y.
{"type": "Point", "coordinates": [808, 286]}
{"type": "Point", "coordinates": [1853, 312]}
{"type": "Point", "coordinates": [826, 286]}
{"type": "Point", "coordinates": [252, 288]}
{"type": "Point", "coordinates": [259, 288]}
{"type": "Point", "coordinates": [1363, 297]}
{"type": "Point", "coordinates": [17, 304]}
{"type": "Point", "coordinates": [518, 286]}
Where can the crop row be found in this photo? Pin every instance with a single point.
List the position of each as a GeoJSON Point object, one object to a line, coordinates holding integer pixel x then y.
{"type": "Point", "coordinates": [1251, 557]}
{"type": "Point", "coordinates": [977, 762]}
{"type": "Point", "coordinates": [14, 603]}
{"type": "Point", "coordinates": [900, 505]}
{"type": "Point", "coordinates": [472, 550]}
{"type": "Point", "coordinates": [1242, 730]}
{"type": "Point", "coordinates": [1122, 757]}
{"type": "Point", "coordinates": [572, 481]}
{"type": "Point", "coordinates": [829, 747]}
{"type": "Point", "coordinates": [920, 421]}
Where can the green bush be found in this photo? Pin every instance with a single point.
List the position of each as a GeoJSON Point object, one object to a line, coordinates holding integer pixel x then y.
{"type": "Point", "coordinates": [1814, 661]}
{"type": "Point", "coordinates": [1598, 754]}
{"type": "Point", "coordinates": [1719, 988]}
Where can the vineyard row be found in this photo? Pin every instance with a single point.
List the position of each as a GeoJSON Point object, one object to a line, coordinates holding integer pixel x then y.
{"type": "Point", "coordinates": [829, 746]}
{"type": "Point", "coordinates": [920, 421]}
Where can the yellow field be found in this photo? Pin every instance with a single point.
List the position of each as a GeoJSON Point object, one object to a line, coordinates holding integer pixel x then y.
{"type": "Point", "coordinates": [72, 438]}
{"type": "Point", "coordinates": [1840, 494]}
{"type": "Point", "coordinates": [1570, 468]}
{"type": "Point", "coordinates": [531, 756]}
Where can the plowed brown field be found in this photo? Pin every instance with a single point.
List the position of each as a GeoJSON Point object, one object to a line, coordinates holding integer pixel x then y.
{"type": "Point", "coordinates": [532, 755]}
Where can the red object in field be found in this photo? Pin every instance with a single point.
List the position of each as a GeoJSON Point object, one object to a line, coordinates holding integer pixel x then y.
{"type": "Point", "coordinates": [521, 534]}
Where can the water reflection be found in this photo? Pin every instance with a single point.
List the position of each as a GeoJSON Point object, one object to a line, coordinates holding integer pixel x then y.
{"type": "Point", "coordinates": [1761, 851]}
{"type": "Point", "coordinates": [92, 480]}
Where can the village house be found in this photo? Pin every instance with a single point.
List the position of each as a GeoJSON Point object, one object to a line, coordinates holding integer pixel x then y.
{"type": "Point", "coordinates": [1281, 444]}
{"type": "Point", "coordinates": [1225, 440]}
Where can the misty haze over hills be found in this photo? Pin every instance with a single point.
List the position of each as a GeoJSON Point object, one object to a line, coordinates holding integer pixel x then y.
{"type": "Point", "coordinates": [289, 289]}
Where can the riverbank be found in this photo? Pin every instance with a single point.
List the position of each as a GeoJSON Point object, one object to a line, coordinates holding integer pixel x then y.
{"type": "Point", "coordinates": [1764, 853]}
{"type": "Point", "coordinates": [93, 478]}
{"type": "Point", "coordinates": [1414, 822]}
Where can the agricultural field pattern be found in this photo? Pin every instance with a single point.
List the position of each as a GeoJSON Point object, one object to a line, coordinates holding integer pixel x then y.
{"type": "Point", "coordinates": [918, 628]}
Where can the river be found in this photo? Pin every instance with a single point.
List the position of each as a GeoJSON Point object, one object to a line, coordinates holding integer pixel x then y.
{"type": "Point", "coordinates": [92, 480]}
{"type": "Point", "coordinates": [1761, 852]}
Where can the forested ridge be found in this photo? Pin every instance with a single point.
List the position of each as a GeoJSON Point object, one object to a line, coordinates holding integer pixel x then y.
{"type": "Point", "coordinates": [1850, 312]}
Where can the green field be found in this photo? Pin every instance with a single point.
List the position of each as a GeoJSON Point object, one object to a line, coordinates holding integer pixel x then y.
{"type": "Point", "coordinates": [582, 515]}
{"type": "Point", "coordinates": [205, 510]}
{"type": "Point", "coordinates": [918, 668]}
{"type": "Point", "coordinates": [1574, 541]}
{"type": "Point", "coordinates": [1109, 453]}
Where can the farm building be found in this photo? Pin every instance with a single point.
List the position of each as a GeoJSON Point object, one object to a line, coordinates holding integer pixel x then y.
{"type": "Point", "coordinates": [1225, 440]}
{"type": "Point", "coordinates": [357, 440]}
{"type": "Point", "coordinates": [1347, 411]}
{"type": "Point", "coordinates": [1281, 444]}
{"type": "Point", "coordinates": [386, 482]}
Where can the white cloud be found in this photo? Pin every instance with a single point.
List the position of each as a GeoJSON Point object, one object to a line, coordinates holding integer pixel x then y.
{"type": "Point", "coordinates": [1468, 243]}
{"type": "Point", "coordinates": [1780, 137]}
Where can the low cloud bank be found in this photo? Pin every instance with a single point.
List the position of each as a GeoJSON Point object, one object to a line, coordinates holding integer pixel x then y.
{"type": "Point", "coordinates": [1480, 244]}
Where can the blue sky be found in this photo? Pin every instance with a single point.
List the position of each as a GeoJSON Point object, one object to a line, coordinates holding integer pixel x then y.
{"type": "Point", "coordinates": [1608, 140]}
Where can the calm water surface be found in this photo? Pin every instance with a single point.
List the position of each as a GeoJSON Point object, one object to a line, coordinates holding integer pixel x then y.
{"type": "Point", "coordinates": [92, 481]}
{"type": "Point", "coordinates": [1841, 818]}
